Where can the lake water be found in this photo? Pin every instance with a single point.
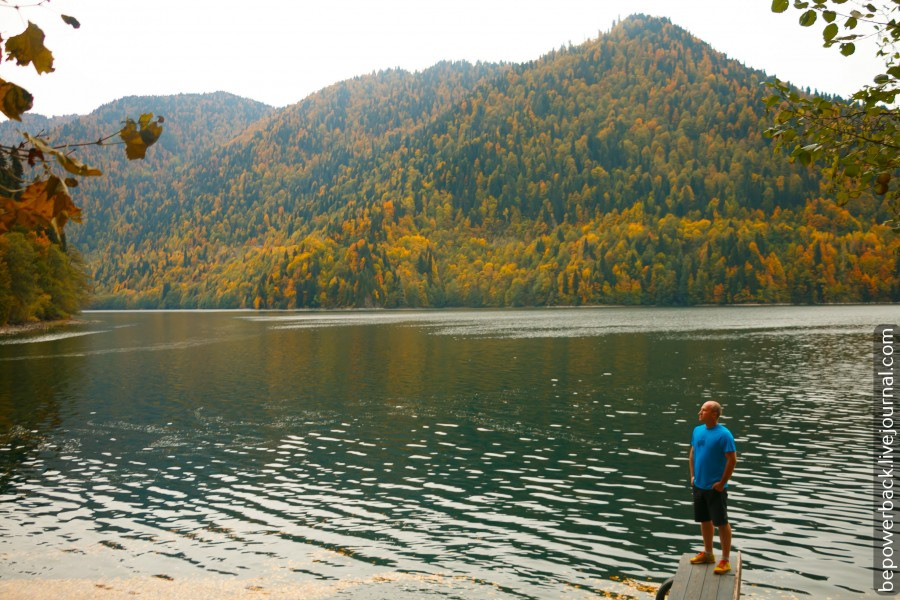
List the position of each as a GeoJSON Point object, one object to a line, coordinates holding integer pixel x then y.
{"type": "Point", "coordinates": [455, 454]}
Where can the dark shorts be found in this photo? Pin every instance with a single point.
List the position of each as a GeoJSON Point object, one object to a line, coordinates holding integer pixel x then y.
{"type": "Point", "coordinates": [710, 505]}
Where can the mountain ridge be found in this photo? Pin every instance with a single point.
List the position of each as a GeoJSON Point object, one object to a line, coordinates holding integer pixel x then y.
{"type": "Point", "coordinates": [629, 169]}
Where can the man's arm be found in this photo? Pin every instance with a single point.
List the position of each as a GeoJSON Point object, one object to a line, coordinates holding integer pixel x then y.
{"type": "Point", "coordinates": [691, 463]}
{"type": "Point", "coordinates": [730, 462]}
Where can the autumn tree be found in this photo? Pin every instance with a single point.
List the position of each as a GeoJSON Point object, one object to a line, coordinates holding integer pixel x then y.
{"type": "Point", "coordinates": [36, 176]}
{"type": "Point", "coordinates": [43, 202]}
{"type": "Point", "coordinates": [856, 141]}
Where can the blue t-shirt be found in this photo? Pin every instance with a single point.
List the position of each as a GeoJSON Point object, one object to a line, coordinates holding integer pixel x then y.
{"type": "Point", "coordinates": [710, 446]}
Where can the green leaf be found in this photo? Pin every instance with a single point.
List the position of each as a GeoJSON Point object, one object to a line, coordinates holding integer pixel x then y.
{"type": "Point", "coordinates": [28, 47]}
{"type": "Point", "coordinates": [848, 48]}
{"type": "Point", "coordinates": [808, 18]}
{"type": "Point", "coordinates": [779, 6]}
{"type": "Point", "coordinates": [71, 21]}
{"type": "Point", "coordinates": [804, 156]}
{"type": "Point", "coordinates": [829, 15]}
{"type": "Point", "coordinates": [829, 32]}
{"type": "Point", "coordinates": [14, 100]}
{"type": "Point", "coordinates": [851, 23]}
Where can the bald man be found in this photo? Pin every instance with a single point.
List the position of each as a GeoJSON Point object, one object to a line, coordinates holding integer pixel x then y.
{"type": "Point", "coordinates": [712, 460]}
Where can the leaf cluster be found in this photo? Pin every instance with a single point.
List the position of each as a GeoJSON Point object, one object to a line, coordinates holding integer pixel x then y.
{"type": "Point", "coordinates": [857, 141]}
{"type": "Point", "coordinates": [43, 201]}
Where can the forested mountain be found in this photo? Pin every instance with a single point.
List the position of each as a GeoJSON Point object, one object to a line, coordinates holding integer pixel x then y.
{"type": "Point", "coordinates": [629, 169]}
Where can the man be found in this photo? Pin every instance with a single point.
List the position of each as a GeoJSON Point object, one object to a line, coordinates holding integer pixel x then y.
{"type": "Point", "coordinates": [712, 460]}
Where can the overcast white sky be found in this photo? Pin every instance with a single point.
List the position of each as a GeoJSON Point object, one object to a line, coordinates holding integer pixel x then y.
{"type": "Point", "coordinates": [280, 51]}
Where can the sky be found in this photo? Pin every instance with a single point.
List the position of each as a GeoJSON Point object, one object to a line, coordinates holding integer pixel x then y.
{"type": "Point", "coordinates": [280, 51]}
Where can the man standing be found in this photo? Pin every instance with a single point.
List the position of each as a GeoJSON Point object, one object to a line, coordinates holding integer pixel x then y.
{"type": "Point", "coordinates": [712, 460]}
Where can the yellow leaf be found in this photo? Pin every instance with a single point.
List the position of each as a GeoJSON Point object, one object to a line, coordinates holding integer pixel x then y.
{"type": "Point", "coordinates": [14, 100]}
{"type": "Point", "coordinates": [151, 133]}
{"type": "Point", "coordinates": [76, 167]}
{"type": "Point", "coordinates": [28, 47]}
{"type": "Point", "coordinates": [7, 213]}
{"type": "Point", "coordinates": [47, 203]}
{"type": "Point", "coordinates": [73, 166]}
{"type": "Point", "coordinates": [39, 143]}
{"type": "Point", "coordinates": [134, 146]}
{"type": "Point", "coordinates": [138, 140]}
{"type": "Point", "coordinates": [36, 201]}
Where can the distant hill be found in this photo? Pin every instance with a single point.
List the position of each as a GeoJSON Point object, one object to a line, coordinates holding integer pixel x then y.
{"type": "Point", "coordinates": [630, 169]}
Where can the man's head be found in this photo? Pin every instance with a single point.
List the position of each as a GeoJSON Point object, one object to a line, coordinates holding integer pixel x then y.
{"type": "Point", "coordinates": [710, 413]}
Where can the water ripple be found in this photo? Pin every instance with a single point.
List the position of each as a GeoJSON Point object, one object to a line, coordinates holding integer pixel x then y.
{"type": "Point", "coordinates": [546, 470]}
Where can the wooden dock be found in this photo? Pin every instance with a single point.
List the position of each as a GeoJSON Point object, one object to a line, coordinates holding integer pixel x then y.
{"type": "Point", "coordinates": [698, 582]}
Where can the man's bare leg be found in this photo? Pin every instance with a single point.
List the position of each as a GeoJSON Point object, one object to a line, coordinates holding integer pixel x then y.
{"type": "Point", "coordinates": [706, 529]}
{"type": "Point", "coordinates": [724, 540]}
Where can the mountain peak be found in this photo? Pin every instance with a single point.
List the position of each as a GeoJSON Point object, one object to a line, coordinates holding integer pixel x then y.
{"type": "Point", "coordinates": [629, 169]}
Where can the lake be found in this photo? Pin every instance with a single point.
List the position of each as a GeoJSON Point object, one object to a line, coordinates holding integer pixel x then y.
{"type": "Point", "coordinates": [454, 454]}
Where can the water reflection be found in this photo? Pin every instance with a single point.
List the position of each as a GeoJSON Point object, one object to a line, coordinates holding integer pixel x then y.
{"type": "Point", "coordinates": [513, 453]}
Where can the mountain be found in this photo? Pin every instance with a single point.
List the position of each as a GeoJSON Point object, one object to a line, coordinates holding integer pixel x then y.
{"type": "Point", "coordinates": [629, 169]}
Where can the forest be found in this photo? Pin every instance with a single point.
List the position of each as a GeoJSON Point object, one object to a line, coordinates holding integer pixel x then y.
{"type": "Point", "coordinates": [631, 169]}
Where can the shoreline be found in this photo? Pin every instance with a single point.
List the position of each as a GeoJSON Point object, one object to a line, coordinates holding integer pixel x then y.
{"type": "Point", "coordinates": [275, 587]}
{"type": "Point", "coordinates": [485, 308]}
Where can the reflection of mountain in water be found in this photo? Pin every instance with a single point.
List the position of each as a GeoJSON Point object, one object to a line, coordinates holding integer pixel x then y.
{"type": "Point", "coordinates": [363, 447]}
{"type": "Point", "coordinates": [33, 405]}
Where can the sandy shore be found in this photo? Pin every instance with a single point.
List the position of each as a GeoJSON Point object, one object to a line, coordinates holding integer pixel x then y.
{"type": "Point", "coordinates": [162, 588]}
{"type": "Point", "coordinates": [158, 588]}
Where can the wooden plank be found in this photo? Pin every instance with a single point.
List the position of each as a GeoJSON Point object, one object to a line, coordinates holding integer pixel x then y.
{"type": "Point", "coordinates": [730, 583]}
{"type": "Point", "coordinates": [699, 582]}
{"type": "Point", "coordinates": [681, 576]}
